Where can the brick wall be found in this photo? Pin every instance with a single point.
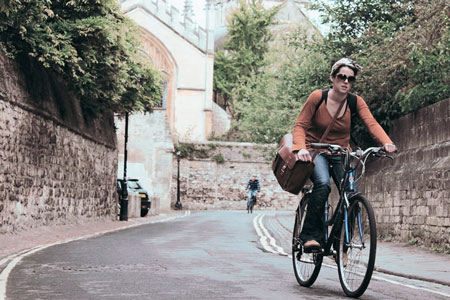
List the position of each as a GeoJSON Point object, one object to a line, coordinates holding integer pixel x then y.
{"type": "Point", "coordinates": [209, 183]}
{"type": "Point", "coordinates": [411, 195]}
{"type": "Point", "coordinates": [57, 166]}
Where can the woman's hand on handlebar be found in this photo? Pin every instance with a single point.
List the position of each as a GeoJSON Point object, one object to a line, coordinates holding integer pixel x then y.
{"type": "Point", "coordinates": [390, 148]}
{"type": "Point", "coordinates": [304, 155]}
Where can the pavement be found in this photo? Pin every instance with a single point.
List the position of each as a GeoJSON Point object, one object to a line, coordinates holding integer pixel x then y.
{"type": "Point", "coordinates": [392, 258]}
{"type": "Point", "coordinates": [11, 244]}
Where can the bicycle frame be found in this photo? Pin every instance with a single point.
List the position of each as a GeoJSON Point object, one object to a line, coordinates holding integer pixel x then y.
{"type": "Point", "coordinates": [341, 212]}
{"type": "Point", "coordinates": [346, 192]}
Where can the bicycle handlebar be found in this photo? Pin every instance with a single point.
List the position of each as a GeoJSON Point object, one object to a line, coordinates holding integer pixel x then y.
{"type": "Point", "coordinates": [360, 155]}
{"type": "Point", "coordinates": [336, 149]}
{"type": "Point", "coordinates": [333, 148]}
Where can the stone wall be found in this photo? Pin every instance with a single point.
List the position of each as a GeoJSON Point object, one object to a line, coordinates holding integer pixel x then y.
{"type": "Point", "coordinates": [57, 166]}
{"type": "Point", "coordinates": [221, 121]}
{"type": "Point", "coordinates": [213, 175]}
{"type": "Point", "coordinates": [411, 195]}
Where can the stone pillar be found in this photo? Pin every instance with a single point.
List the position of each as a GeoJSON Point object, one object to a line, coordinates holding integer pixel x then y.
{"type": "Point", "coordinates": [209, 66]}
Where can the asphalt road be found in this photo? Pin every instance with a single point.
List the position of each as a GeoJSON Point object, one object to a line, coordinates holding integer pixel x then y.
{"type": "Point", "coordinates": [206, 255]}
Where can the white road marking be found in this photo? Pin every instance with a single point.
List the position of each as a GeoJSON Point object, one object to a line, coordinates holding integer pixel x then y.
{"type": "Point", "coordinates": [262, 237]}
{"type": "Point", "coordinates": [410, 286]}
{"type": "Point", "coordinates": [14, 259]}
{"type": "Point", "coordinates": [266, 238]}
{"type": "Point", "coordinates": [265, 235]}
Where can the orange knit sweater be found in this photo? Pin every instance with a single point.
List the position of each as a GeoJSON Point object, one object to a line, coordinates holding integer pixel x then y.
{"type": "Point", "coordinates": [309, 127]}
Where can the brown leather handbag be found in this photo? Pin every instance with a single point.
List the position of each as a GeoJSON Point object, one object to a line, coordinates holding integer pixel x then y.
{"type": "Point", "coordinates": [290, 171]}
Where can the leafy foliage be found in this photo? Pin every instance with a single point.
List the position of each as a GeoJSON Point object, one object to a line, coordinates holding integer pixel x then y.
{"type": "Point", "coordinates": [273, 98]}
{"type": "Point", "coordinates": [403, 46]}
{"type": "Point", "coordinates": [354, 25]}
{"type": "Point", "coordinates": [407, 70]}
{"type": "Point", "coordinates": [87, 43]}
{"type": "Point", "coordinates": [244, 49]}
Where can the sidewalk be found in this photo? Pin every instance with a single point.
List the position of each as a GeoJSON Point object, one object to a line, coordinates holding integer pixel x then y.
{"type": "Point", "coordinates": [401, 259]}
{"type": "Point", "coordinates": [412, 262]}
{"type": "Point", "coordinates": [11, 244]}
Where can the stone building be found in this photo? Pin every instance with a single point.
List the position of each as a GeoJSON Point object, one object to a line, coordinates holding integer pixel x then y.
{"type": "Point", "coordinates": [184, 53]}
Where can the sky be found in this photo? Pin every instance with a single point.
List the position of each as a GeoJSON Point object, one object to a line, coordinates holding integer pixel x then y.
{"type": "Point", "coordinates": [199, 13]}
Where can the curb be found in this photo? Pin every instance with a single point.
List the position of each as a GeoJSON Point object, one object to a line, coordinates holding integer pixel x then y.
{"type": "Point", "coordinates": [408, 276]}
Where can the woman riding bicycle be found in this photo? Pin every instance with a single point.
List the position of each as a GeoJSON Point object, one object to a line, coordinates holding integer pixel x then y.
{"type": "Point", "coordinates": [309, 127]}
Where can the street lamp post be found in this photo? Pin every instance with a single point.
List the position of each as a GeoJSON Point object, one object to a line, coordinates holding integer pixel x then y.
{"type": "Point", "coordinates": [178, 204]}
{"type": "Point", "coordinates": [124, 200]}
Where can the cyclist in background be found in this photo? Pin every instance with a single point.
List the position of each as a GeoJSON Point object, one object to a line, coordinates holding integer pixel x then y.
{"type": "Point", "coordinates": [309, 127]}
{"type": "Point", "coordinates": [253, 187]}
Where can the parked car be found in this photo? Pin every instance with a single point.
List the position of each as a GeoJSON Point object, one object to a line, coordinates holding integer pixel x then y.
{"type": "Point", "coordinates": [135, 186]}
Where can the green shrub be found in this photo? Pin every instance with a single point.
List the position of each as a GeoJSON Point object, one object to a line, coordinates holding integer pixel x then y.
{"type": "Point", "coordinates": [89, 44]}
{"type": "Point", "coordinates": [218, 158]}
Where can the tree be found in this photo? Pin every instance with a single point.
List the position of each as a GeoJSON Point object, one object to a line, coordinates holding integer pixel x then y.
{"type": "Point", "coordinates": [405, 59]}
{"type": "Point", "coordinates": [357, 24]}
{"type": "Point", "coordinates": [244, 49]}
{"type": "Point", "coordinates": [90, 44]}
{"type": "Point", "coordinates": [403, 47]}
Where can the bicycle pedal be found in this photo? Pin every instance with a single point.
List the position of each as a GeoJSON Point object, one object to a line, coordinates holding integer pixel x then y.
{"type": "Point", "coordinates": [312, 250]}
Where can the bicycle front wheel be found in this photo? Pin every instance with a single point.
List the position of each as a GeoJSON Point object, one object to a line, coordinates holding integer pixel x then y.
{"type": "Point", "coordinates": [357, 247]}
{"type": "Point", "coordinates": [306, 265]}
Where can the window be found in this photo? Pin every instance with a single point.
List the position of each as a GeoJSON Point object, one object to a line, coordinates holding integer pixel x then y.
{"type": "Point", "coordinates": [163, 102]}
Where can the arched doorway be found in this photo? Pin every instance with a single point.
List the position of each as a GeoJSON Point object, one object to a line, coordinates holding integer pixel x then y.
{"type": "Point", "coordinates": [164, 62]}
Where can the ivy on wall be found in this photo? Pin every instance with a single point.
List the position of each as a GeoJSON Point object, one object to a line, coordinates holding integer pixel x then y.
{"type": "Point", "coordinates": [89, 44]}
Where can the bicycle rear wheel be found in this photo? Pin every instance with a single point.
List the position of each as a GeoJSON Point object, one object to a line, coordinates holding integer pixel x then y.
{"type": "Point", "coordinates": [306, 265]}
{"type": "Point", "coordinates": [356, 256]}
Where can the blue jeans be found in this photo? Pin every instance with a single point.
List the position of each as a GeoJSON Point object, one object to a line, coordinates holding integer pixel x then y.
{"type": "Point", "coordinates": [314, 226]}
{"type": "Point", "coordinates": [251, 193]}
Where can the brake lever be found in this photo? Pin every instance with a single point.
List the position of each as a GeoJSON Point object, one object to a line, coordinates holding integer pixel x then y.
{"type": "Point", "coordinates": [334, 150]}
{"type": "Point", "coordinates": [377, 154]}
{"type": "Point", "coordinates": [382, 155]}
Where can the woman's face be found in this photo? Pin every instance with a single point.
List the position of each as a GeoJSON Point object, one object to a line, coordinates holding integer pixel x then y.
{"type": "Point", "coordinates": [343, 80]}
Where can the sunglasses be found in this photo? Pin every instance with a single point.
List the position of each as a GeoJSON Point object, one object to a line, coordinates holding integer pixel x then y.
{"type": "Point", "coordinates": [351, 79]}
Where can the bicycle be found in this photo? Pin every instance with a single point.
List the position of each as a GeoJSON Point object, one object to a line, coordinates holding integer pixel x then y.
{"type": "Point", "coordinates": [252, 204]}
{"type": "Point", "coordinates": [352, 232]}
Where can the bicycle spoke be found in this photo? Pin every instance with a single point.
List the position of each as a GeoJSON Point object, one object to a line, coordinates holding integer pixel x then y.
{"type": "Point", "coordinates": [306, 265]}
{"type": "Point", "coordinates": [357, 258]}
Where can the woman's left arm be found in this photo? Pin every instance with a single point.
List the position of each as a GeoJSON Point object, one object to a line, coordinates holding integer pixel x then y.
{"type": "Point", "coordinates": [374, 128]}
